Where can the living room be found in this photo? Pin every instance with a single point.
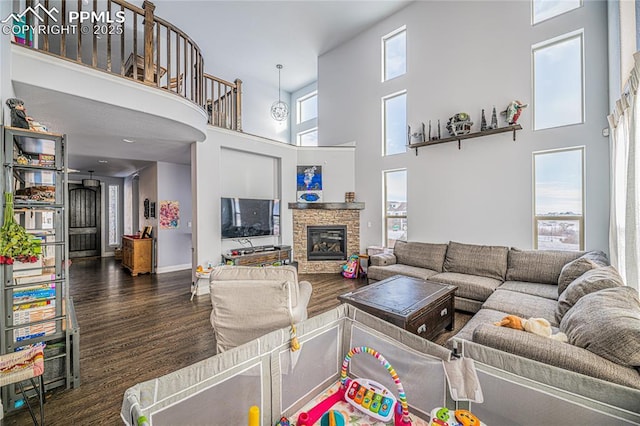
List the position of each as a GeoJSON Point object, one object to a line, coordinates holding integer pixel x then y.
{"type": "Point", "coordinates": [481, 193]}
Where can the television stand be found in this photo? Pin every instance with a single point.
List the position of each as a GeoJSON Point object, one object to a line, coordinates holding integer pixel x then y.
{"type": "Point", "coordinates": [259, 256]}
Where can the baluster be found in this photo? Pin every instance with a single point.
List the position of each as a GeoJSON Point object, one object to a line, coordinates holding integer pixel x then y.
{"type": "Point", "coordinates": [79, 52]}
{"type": "Point", "coordinates": [238, 96]}
{"type": "Point", "coordinates": [122, 46]}
{"type": "Point", "coordinates": [45, 42]}
{"type": "Point", "coordinates": [63, 36]}
{"type": "Point", "coordinates": [109, 40]}
{"type": "Point", "coordinates": [148, 41]}
{"type": "Point", "coordinates": [157, 48]}
{"type": "Point", "coordinates": [135, 45]}
{"type": "Point", "coordinates": [168, 56]}
{"type": "Point", "coordinates": [94, 51]}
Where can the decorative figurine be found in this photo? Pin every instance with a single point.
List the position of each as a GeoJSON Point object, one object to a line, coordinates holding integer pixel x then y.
{"type": "Point", "coordinates": [494, 119]}
{"type": "Point", "coordinates": [483, 122]}
{"type": "Point", "coordinates": [416, 136]}
{"type": "Point", "coordinates": [19, 116]}
{"type": "Point", "coordinates": [459, 124]}
{"type": "Point", "coordinates": [512, 113]}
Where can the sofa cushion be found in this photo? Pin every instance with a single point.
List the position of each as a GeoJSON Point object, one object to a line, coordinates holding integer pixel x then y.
{"type": "Point", "coordinates": [383, 259]}
{"type": "Point", "coordinates": [522, 305]}
{"type": "Point", "coordinates": [422, 255]}
{"type": "Point", "coordinates": [485, 261]}
{"type": "Point", "coordinates": [483, 316]}
{"type": "Point", "coordinates": [579, 266]}
{"type": "Point", "coordinates": [548, 291]}
{"type": "Point", "coordinates": [589, 282]}
{"type": "Point", "coordinates": [607, 323]}
{"type": "Point", "coordinates": [469, 286]}
{"type": "Point", "coordinates": [382, 272]}
{"type": "Point", "coordinates": [555, 353]}
{"type": "Point", "coordinates": [538, 266]}
{"type": "Point", "coordinates": [282, 274]}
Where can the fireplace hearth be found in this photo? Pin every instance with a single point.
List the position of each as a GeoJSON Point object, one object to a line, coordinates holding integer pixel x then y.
{"type": "Point", "coordinates": [326, 242]}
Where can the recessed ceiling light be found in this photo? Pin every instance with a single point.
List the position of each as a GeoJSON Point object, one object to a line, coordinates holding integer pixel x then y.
{"type": "Point", "coordinates": [103, 161]}
{"type": "Point", "coordinates": [129, 140]}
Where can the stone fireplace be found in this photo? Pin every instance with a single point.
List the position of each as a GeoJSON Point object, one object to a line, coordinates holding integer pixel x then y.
{"type": "Point", "coordinates": [326, 221]}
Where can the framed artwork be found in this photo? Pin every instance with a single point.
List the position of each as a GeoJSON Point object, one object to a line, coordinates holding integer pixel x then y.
{"type": "Point", "coordinates": [169, 214]}
{"type": "Point", "coordinates": [309, 184]}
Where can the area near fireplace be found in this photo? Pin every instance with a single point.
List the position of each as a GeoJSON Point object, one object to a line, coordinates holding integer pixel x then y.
{"type": "Point", "coordinates": [333, 226]}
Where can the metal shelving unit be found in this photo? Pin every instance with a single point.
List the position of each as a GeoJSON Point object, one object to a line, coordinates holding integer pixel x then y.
{"type": "Point", "coordinates": [35, 296]}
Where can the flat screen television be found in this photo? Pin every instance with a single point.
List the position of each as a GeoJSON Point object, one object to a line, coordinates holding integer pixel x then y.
{"type": "Point", "coordinates": [245, 217]}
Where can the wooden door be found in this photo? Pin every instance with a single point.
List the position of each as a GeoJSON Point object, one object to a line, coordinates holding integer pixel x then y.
{"type": "Point", "coordinates": [84, 221]}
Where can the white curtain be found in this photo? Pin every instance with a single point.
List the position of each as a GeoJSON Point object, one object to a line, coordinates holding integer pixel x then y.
{"type": "Point", "coordinates": [624, 229]}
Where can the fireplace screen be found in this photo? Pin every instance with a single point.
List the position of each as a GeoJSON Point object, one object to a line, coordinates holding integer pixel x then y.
{"type": "Point", "coordinates": [327, 242]}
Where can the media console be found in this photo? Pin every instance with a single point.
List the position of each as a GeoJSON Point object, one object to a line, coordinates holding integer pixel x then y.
{"type": "Point", "coordinates": [258, 256]}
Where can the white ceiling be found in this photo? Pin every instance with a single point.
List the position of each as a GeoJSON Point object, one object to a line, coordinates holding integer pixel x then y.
{"type": "Point", "coordinates": [239, 39]}
{"type": "Point", "coordinates": [246, 39]}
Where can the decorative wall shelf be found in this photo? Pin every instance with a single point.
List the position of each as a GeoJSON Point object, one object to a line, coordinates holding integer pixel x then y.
{"type": "Point", "coordinates": [468, 136]}
{"type": "Point", "coordinates": [327, 206]}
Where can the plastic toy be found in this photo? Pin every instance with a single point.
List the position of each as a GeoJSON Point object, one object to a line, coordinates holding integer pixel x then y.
{"type": "Point", "coordinates": [332, 418]}
{"type": "Point", "coordinates": [283, 422]}
{"type": "Point", "coordinates": [254, 416]}
{"type": "Point", "coordinates": [366, 395]}
{"type": "Point", "coordinates": [442, 416]}
{"type": "Point", "coordinates": [351, 268]}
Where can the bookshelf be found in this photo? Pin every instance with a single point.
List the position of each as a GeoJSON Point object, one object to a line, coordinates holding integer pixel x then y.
{"type": "Point", "coordinates": [34, 294]}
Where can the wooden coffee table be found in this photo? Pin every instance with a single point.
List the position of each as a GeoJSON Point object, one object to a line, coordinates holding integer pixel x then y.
{"type": "Point", "coordinates": [421, 307]}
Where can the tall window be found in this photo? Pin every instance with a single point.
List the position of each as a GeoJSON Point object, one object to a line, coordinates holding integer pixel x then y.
{"type": "Point", "coordinates": [395, 123]}
{"type": "Point", "coordinates": [113, 215]}
{"type": "Point", "coordinates": [394, 54]}
{"type": "Point", "coordinates": [307, 107]}
{"type": "Point", "coordinates": [558, 86]}
{"type": "Point", "coordinates": [547, 9]}
{"type": "Point", "coordinates": [395, 206]}
{"type": "Point", "coordinates": [559, 199]}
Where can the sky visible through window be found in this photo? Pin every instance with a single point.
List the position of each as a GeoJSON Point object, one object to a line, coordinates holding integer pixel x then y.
{"type": "Point", "coordinates": [309, 138]}
{"type": "Point", "coordinates": [395, 56]}
{"type": "Point", "coordinates": [395, 124]}
{"type": "Point", "coordinates": [559, 183]}
{"type": "Point", "coordinates": [308, 108]}
{"type": "Point", "coordinates": [545, 9]}
{"type": "Point", "coordinates": [558, 84]}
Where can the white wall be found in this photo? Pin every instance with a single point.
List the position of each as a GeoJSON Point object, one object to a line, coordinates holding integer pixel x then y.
{"type": "Point", "coordinates": [235, 165]}
{"type": "Point", "coordinates": [174, 245]}
{"type": "Point", "coordinates": [338, 173]}
{"type": "Point", "coordinates": [256, 111]}
{"type": "Point", "coordinates": [465, 56]}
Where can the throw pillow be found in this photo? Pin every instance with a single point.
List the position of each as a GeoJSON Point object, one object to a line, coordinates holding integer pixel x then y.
{"type": "Point", "coordinates": [589, 282]}
{"type": "Point", "coordinates": [607, 323]}
{"type": "Point", "coordinates": [538, 266]}
{"type": "Point", "coordinates": [573, 270]}
{"type": "Point", "coordinates": [485, 261]}
{"type": "Point", "coordinates": [420, 255]}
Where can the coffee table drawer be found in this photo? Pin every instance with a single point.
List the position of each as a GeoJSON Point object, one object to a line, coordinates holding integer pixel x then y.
{"type": "Point", "coordinates": [430, 321]}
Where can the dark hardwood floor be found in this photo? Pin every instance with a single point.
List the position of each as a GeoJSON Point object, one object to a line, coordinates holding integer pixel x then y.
{"type": "Point", "coordinates": [134, 329]}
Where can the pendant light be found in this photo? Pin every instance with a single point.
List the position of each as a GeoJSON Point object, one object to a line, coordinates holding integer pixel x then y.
{"type": "Point", "coordinates": [91, 182]}
{"type": "Point", "coordinates": [279, 109]}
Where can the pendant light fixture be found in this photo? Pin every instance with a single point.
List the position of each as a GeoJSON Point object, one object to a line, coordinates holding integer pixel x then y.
{"type": "Point", "coordinates": [279, 109]}
{"type": "Point", "coordinates": [91, 182]}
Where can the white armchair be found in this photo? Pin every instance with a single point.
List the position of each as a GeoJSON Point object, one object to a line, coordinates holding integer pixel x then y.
{"type": "Point", "coordinates": [249, 302]}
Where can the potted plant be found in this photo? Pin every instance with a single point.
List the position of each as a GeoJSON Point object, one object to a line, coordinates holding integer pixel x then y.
{"type": "Point", "coordinates": [15, 242]}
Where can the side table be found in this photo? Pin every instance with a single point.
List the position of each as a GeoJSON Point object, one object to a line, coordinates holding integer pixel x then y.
{"type": "Point", "coordinates": [201, 286]}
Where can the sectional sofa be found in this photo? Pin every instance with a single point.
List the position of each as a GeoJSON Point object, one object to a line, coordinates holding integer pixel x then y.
{"type": "Point", "coordinates": [579, 293]}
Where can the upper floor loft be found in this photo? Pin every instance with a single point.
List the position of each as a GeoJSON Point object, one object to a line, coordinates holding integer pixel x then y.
{"type": "Point", "coordinates": [130, 47]}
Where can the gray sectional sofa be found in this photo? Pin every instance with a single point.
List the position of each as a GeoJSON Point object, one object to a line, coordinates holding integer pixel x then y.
{"type": "Point", "coordinates": [579, 293]}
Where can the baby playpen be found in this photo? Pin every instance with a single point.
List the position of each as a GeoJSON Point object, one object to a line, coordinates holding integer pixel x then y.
{"type": "Point", "coordinates": [265, 373]}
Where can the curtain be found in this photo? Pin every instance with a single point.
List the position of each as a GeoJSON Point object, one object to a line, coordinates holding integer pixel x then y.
{"type": "Point", "coordinates": [624, 229]}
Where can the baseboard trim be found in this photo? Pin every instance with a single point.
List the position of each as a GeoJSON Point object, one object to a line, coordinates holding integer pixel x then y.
{"type": "Point", "coordinates": [173, 268]}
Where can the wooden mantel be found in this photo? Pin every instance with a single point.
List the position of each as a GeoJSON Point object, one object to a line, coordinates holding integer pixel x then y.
{"type": "Point", "coordinates": [327, 206]}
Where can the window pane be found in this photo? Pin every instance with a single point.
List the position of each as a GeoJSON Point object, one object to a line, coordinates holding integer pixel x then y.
{"type": "Point", "coordinates": [558, 199]}
{"type": "Point", "coordinates": [558, 234]}
{"type": "Point", "coordinates": [558, 183]}
{"type": "Point", "coordinates": [307, 108]}
{"type": "Point", "coordinates": [395, 206]}
{"type": "Point", "coordinates": [113, 215]}
{"type": "Point", "coordinates": [395, 55]}
{"type": "Point", "coordinates": [558, 75]}
{"type": "Point", "coordinates": [309, 138]}
{"type": "Point", "coordinates": [395, 124]}
{"type": "Point", "coordinates": [545, 9]}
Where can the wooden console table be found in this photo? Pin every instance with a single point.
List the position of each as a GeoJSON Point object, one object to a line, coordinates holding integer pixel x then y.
{"type": "Point", "coordinates": [136, 255]}
{"type": "Point", "coordinates": [278, 256]}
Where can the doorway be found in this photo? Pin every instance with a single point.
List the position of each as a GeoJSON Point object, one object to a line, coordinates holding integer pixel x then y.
{"type": "Point", "coordinates": [84, 221]}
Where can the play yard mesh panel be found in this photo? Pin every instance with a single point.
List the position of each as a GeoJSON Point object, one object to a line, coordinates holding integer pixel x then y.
{"type": "Point", "coordinates": [265, 373]}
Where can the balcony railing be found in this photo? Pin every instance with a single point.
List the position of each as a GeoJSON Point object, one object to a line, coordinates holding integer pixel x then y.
{"type": "Point", "coordinates": [122, 39]}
